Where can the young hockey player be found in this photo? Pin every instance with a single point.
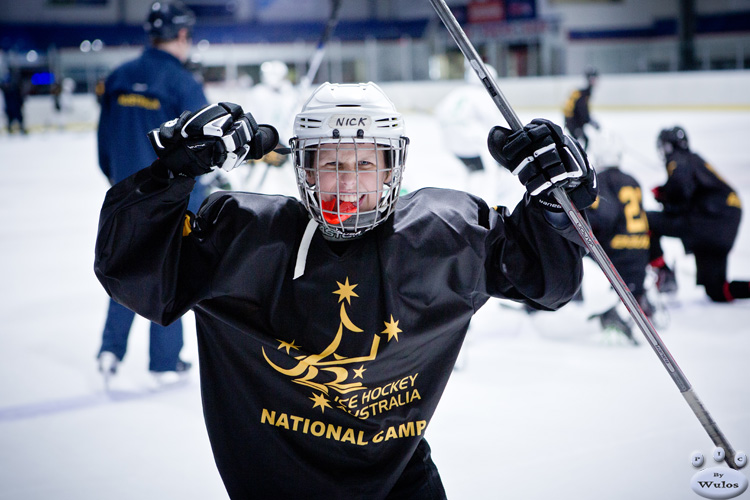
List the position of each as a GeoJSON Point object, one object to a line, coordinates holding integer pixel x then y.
{"type": "Point", "coordinates": [619, 222]}
{"type": "Point", "coordinates": [464, 118]}
{"type": "Point", "coordinates": [275, 101]}
{"type": "Point", "coordinates": [700, 209]}
{"type": "Point", "coordinates": [328, 325]}
{"type": "Point", "coordinates": [576, 110]}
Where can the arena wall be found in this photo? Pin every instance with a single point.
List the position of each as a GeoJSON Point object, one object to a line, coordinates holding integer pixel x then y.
{"type": "Point", "coordinates": [717, 90]}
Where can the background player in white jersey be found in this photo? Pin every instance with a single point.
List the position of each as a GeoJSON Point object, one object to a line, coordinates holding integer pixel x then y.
{"type": "Point", "coordinates": [274, 101]}
{"type": "Point", "coordinates": [464, 117]}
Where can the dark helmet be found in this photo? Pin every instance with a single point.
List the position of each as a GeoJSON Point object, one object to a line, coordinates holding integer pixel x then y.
{"type": "Point", "coordinates": [671, 139]}
{"type": "Point", "coordinates": [590, 72]}
{"type": "Point", "coordinates": [166, 19]}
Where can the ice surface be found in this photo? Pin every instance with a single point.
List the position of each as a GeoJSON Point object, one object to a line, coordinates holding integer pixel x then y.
{"type": "Point", "coordinates": [541, 408]}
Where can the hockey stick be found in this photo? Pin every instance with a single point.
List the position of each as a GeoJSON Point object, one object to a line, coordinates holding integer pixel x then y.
{"type": "Point", "coordinates": [317, 58]}
{"type": "Point", "coordinates": [306, 82]}
{"type": "Point", "coordinates": [591, 243]}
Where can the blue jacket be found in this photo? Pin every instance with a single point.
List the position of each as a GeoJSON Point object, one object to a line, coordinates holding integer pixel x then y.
{"type": "Point", "coordinates": [139, 96]}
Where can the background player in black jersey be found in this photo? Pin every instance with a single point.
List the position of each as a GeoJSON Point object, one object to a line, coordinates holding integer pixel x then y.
{"type": "Point", "coordinates": [577, 111]}
{"type": "Point", "coordinates": [619, 222]}
{"type": "Point", "coordinates": [703, 211]}
{"type": "Point", "coordinates": [328, 325]}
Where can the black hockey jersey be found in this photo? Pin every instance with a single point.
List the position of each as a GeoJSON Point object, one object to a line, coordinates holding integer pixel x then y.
{"type": "Point", "coordinates": [576, 109]}
{"type": "Point", "coordinates": [321, 386]}
{"type": "Point", "coordinates": [620, 224]}
{"type": "Point", "coordinates": [693, 186]}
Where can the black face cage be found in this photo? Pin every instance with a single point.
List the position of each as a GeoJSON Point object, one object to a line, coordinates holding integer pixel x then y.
{"type": "Point", "coordinates": [335, 222]}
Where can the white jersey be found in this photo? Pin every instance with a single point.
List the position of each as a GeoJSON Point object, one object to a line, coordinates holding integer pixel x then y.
{"type": "Point", "coordinates": [466, 116]}
{"type": "Point", "coordinates": [275, 106]}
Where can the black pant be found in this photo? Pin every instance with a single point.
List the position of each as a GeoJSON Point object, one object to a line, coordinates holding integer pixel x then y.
{"type": "Point", "coordinates": [710, 240]}
{"type": "Point", "coordinates": [420, 480]}
{"type": "Point", "coordinates": [473, 163]}
{"type": "Point", "coordinates": [576, 130]}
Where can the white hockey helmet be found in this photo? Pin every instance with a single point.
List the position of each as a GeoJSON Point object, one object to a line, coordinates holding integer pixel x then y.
{"type": "Point", "coordinates": [354, 121]}
{"type": "Point", "coordinates": [273, 73]}
{"type": "Point", "coordinates": [470, 76]}
{"type": "Point", "coordinates": [604, 149]}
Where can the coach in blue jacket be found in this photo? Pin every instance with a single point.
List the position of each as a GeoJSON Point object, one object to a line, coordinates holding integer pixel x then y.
{"type": "Point", "coordinates": [139, 96]}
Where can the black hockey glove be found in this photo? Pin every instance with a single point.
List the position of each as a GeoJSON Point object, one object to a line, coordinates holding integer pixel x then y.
{"type": "Point", "coordinates": [543, 158]}
{"type": "Point", "coordinates": [217, 135]}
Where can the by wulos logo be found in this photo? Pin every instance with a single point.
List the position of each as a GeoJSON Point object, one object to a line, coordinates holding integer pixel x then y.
{"type": "Point", "coordinates": [719, 482]}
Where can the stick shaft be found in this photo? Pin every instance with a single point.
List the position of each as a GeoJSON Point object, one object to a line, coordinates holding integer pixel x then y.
{"type": "Point", "coordinates": [476, 62]}
{"type": "Point", "coordinates": [590, 241]}
{"type": "Point", "coordinates": [317, 58]}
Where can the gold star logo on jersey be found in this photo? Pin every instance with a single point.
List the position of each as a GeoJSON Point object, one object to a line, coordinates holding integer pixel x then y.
{"type": "Point", "coordinates": [359, 372]}
{"type": "Point", "coordinates": [287, 345]}
{"type": "Point", "coordinates": [392, 329]}
{"type": "Point", "coordinates": [320, 402]}
{"type": "Point", "coordinates": [346, 291]}
{"type": "Point", "coordinates": [329, 370]}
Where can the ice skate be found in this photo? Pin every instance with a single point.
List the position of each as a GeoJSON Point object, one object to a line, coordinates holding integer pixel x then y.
{"type": "Point", "coordinates": [614, 327]}
{"type": "Point", "coordinates": [172, 377]}
{"type": "Point", "coordinates": [666, 281]}
{"type": "Point", "coordinates": [108, 363]}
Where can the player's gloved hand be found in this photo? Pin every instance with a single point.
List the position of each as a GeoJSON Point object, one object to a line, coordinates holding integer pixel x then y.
{"type": "Point", "coordinates": [217, 135]}
{"type": "Point", "coordinates": [543, 158]}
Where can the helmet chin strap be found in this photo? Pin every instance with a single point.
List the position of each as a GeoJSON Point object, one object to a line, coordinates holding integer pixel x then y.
{"type": "Point", "coordinates": [304, 246]}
